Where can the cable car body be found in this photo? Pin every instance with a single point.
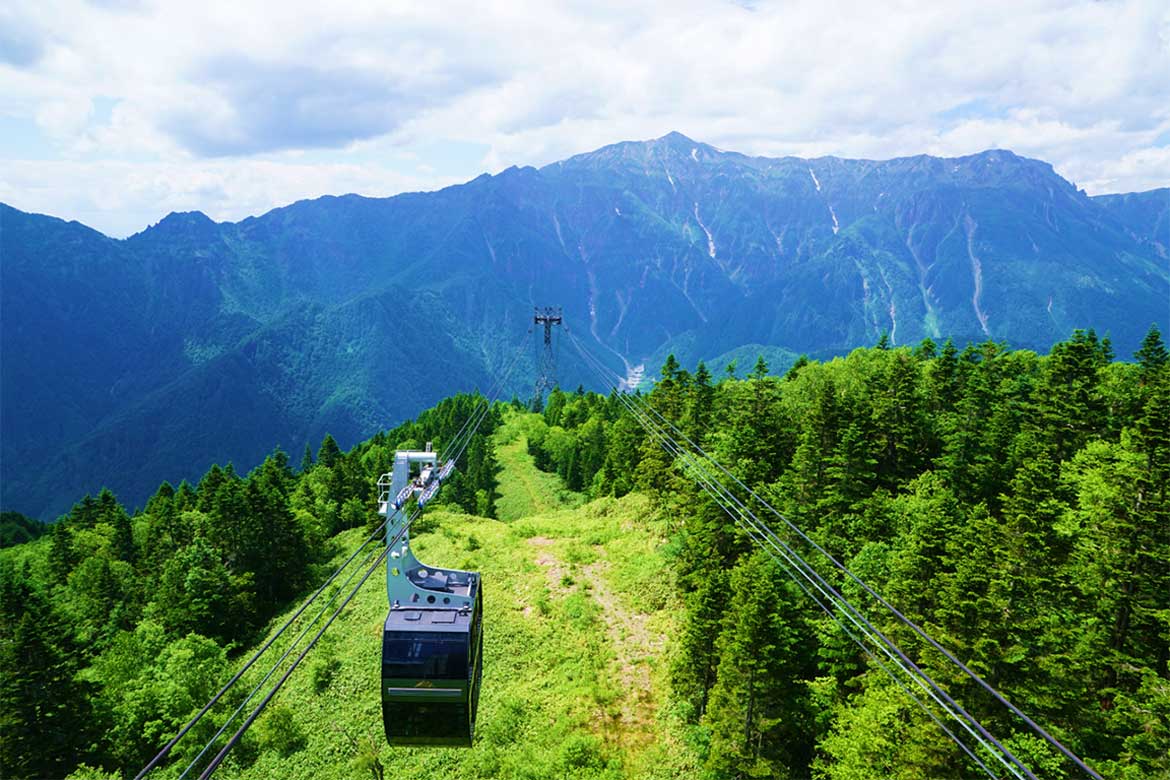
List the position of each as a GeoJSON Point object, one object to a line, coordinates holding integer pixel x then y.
{"type": "Point", "coordinates": [432, 641]}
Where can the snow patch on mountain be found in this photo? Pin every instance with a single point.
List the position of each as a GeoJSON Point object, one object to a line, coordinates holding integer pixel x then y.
{"type": "Point", "coordinates": [977, 273]}
{"type": "Point", "coordinates": [710, 238]}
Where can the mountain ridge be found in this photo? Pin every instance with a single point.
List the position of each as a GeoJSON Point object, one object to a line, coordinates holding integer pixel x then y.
{"type": "Point", "coordinates": [669, 245]}
{"type": "Point", "coordinates": [170, 217]}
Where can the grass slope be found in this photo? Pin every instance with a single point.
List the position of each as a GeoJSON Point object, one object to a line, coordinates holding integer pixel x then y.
{"type": "Point", "coordinates": [578, 609]}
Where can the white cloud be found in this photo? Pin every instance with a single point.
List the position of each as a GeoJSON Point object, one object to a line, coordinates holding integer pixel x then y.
{"type": "Point", "coordinates": [121, 198]}
{"type": "Point", "coordinates": [217, 94]}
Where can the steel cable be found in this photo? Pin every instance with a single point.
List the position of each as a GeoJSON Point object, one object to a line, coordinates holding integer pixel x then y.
{"type": "Point", "coordinates": [869, 630]}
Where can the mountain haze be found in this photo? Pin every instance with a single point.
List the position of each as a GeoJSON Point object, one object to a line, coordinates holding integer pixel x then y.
{"type": "Point", "coordinates": [127, 361]}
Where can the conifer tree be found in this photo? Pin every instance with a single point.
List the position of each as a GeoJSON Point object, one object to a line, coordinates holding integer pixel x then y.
{"type": "Point", "coordinates": [899, 420]}
{"type": "Point", "coordinates": [62, 557]}
{"type": "Point", "coordinates": [123, 541]}
{"type": "Point", "coordinates": [695, 666]}
{"type": "Point", "coordinates": [668, 393]}
{"type": "Point", "coordinates": [44, 711]}
{"type": "Point", "coordinates": [1152, 355]}
{"type": "Point", "coordinates": [758, 714]}
{"type": "Point", "coordinates": [329, 453]}
{"type": "Point", "coordinates": [794, 371]}
{"type": "Point", "coordinates": [1071, 403]}
{"type": "Point", "coordinates": [701, 404]}
{"type": "Point", "coordinates": [761, 369]}
{"type": "Point", "coordinates": [944, 378]}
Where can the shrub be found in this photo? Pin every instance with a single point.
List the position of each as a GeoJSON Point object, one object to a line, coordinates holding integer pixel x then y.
{"type": "Point", "coordinates": [280, 732]}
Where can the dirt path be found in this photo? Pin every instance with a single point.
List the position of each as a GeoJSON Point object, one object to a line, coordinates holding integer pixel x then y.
{"type": "Point", "coordinates": [549, 562]}
{"type": "Point", "coordinates": [634, 645]}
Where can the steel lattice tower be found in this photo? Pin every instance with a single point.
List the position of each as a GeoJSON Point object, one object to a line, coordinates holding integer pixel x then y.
{"type": "Point", "coordinates": [547, 378]}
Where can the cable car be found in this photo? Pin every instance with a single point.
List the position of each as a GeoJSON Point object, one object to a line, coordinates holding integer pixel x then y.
{"type": "Point", "coordinates": [432, 641]}
{"type": "Point", "coordinates": [431, 671]}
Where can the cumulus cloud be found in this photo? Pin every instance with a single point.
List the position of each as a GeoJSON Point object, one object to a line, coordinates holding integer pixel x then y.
{"type": "Point", "coordinates": [200, 89]}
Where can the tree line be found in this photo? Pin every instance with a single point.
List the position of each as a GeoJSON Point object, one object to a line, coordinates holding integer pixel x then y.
{"type": "Point", "coordinates": [1013, 504]}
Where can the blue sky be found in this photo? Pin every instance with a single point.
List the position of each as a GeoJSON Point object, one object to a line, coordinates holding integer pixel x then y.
{"type": "Point", "coordinates": [117, 112]}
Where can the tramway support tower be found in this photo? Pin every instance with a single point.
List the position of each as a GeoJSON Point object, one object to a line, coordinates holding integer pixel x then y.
{"type": "Point", "coordinates": [547, 379]}
{"type": "Point", "coordinates": [432, 640]}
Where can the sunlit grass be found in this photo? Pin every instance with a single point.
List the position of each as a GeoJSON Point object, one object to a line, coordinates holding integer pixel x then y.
{"type": "Point", "coordinates": [578, 609]}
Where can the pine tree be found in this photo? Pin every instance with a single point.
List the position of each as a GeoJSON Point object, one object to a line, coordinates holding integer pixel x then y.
{"type": "Point", "coordinates": [899, 420]}
{"type": "Point", "coordinates": [185, 497]}
{"type": "Point", "coordinates": [329, 453]}
{"type": "Point", "coordinates": [1123, 511]}
{"type": "Point", "coordinates": [926, 350]}
{"type": "Point", "coordinates": [481, 483]}
{"type": "Point", "coordinates": [701, 405]}
{"type": "Point", "coordinates": [1071, 403]}
{"type": "Point", "coordinates": [85, 513]}
{"type": "Point", "coordinates": [668, 397]}
{"type": "Point", "coordinates": [758, 713]}
{"type": "Point", "coordinates": [62, 557]}
{"type": "Point", "coordinates": [554, 407]}
{"type": "Point", "coordinates": [697, 661]}
{"type": "Point", "coordinates": [804, 482]}
{"type": "Point", "coordinates": [123, 542]}
{"type": "Point", "coordinates": [794, 371]}
{"type": "Point", "coordinates": [944, 378]}
{"type": "Point", "coordinates": [1152, 355]}
{"type": "Point", "coordinates": [44, 712]}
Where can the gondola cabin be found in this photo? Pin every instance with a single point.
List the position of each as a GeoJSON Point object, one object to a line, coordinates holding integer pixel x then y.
{"type": "Point", "coordinates": [432, 641]}
{"type": "Point", "coordinates": [431, 669]}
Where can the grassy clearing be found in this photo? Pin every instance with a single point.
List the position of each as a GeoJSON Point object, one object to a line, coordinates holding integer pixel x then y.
{"type": "Point", "coordinates": [578, 610]}
{"type": "Point", "coordinates": [524, 490]}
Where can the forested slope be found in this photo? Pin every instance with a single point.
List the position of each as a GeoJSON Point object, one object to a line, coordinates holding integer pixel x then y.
{"type": "Point", "coordinates": [1013, 504]}
{"type": "Point", "coordinates": [114, 630]}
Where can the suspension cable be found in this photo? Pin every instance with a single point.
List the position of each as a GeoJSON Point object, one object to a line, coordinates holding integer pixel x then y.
{"type": "Point", "coordinates": [971, 674]}
{"type": "Point", "coordinates": [497, 386]}
{"type": "Point", "coordinates": [235, 738]}
{"type": "Point", "coordinates": [463, 441]}
{"type": "Point", "coordinates": [162, 754]}
{"type": "Point", "coordinates": [660, 434]}
{"type": "Point", "coordinates": [793, 564]}
{"type": "Point", "coordinates": [478, 414]}
{"type": "Point", "coordinates": [272, 670]}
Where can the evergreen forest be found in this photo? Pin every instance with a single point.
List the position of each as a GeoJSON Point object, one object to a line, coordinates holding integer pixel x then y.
{"type": "Point", "coordinates": [1015, 505]}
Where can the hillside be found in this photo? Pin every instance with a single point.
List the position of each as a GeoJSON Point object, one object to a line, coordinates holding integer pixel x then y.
{"type": "Point", "coordinates": [193, 342]}
{"type": "Point", "coordinates": [1013, 504]}
{"type": "Point", "coordinates": [579, 605]}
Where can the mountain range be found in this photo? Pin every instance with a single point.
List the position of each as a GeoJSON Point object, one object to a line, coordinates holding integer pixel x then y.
{"type": "Point", "coordinates": [126, 362]}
